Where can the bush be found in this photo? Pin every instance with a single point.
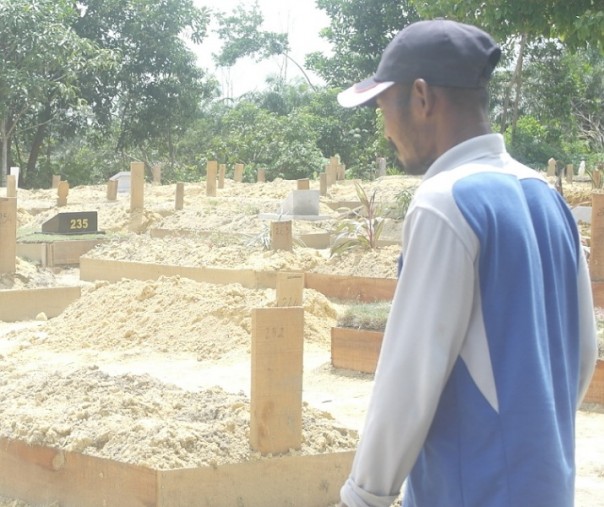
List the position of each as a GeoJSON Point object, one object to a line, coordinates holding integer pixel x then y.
{"type": "Point", "coordinates": [529, 144]}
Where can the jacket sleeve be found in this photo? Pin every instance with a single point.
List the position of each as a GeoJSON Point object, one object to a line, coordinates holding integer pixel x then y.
{"type": "Point", "coordinates": [424, 334]}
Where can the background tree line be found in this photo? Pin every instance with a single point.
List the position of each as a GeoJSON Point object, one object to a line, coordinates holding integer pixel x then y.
{"type": "Point", "coordinates": [88, 86]}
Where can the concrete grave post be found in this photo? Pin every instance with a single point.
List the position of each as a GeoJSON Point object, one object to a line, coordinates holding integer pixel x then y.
{"type": "Point", "coordinates": [238, 175]}
{"type": "Point", "coordinates": [221, 173]}
{"type": "Point", "coordinates": [341, 172]}
{"type": "Point", "coordinates": [211, 174]}
{"type": "Point", "coordinates": [290, 289]}
{"type": "Point", "coordinates": [11, 185]}
{"type": "Point", "coordinates": [276, 379]}
{"type": "Point", "coordinates": [180, 196]}
{"type": "Point", "coordinates": [303, 184]}
{"type": "Point", "coordinates": [62, 192]}
{"type": "Point", "coordinates": [8, 235]}
{"type": "Point", "coordinates": [112, 190]}
{"type": "Point", "coordinates": [570, 171]}
{"type": "Point", "coordinates": [261, 175]}
{"type": "Point", "coordinates": [281, 235]}
{"type": "Point", "coordinates": [56, 178]}
{"type": "Point", "coordinates": [551, 167]}
{"type": "Point", "coordinates": [137, 186]}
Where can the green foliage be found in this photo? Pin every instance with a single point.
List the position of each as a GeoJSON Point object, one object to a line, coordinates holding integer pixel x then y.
{"type": "Point", "coordinates": [530, 146]}
{"type": "Point", "coordinates": [286, 146]}
{"type": "Point", "coordinates": [364, 229]}
{"type": "Point", "coordinates": [596, 177]}
{"type": "Point", "coordinates": [118, 82]}
{"type": "Point", "coordinates": [546, 84]}
{"type": "Point", "coordinates": [402, 202]}
{"type": "Point", "coordinates": [42, 60]}
{"type": "Point", "coordinates": [359, 30]}
{"type": "Point", "coordinates": [242, 36]}
{"type": "Point", "coordinates": [371, 316]}
{"type": "Point", "coordinates": [156, 88]}
{"type": "Point", "coordinates": [578, 23]}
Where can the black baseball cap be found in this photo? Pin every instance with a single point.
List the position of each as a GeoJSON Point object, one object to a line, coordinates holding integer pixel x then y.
{"type": "Point", "coordinates": [440, 51]}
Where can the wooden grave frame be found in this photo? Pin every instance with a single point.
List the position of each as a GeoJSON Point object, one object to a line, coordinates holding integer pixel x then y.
{"type": "Point", "coordinates": [364, 289]}
{"type": "Point", "coordinates": [26, 304]}
{"type": "Point", "coordinates": [43, 475]}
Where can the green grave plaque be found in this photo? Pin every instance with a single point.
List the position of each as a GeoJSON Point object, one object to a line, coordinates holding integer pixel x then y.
{"type": "Point", "coordinates": [72, 222]}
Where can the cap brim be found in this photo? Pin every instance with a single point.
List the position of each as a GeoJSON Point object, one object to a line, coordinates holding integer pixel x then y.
{"type": "Point", "coordinates": [363, 93]}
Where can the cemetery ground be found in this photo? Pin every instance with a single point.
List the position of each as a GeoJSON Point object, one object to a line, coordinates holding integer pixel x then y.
{"type": "Point", "coordinates": [155, 370]}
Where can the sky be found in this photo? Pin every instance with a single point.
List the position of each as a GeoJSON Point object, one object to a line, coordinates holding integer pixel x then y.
{"type": "Point", "coordinates": [300, 19]}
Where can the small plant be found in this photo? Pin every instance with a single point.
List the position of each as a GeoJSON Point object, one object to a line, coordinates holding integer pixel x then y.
{"type": "Point", "coordinates": [364, 229]}
{"type": "Point", "coordinates": [595, 175]}
{"type": "Point", "coordinates": [262, 239]}
{"type": "Point", "coordinates": [403, 199]}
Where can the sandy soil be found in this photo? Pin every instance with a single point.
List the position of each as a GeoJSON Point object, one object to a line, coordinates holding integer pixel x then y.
{"type": "Point", "coordinates": [158, 372]}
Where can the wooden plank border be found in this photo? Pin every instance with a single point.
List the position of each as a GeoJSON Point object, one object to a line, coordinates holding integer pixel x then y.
{"type": "Point", "coordinates": [311, 481]}
{"type": "Point", "coordinates": [355, 288]}
{"type": "Point", "coordinates": [363, 289]}
{"type": "Point", "coordinates": [355, 349]}
{"type": "Point", "coordinates": [44, 476]}
{"type": "Point", "coordinates": [26, 304]}
{"type": "Point", "coordinates": [57, 253]}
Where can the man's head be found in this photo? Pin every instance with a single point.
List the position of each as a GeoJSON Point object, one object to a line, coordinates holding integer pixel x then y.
{"type": "Point", "coordinates": [431, 73]}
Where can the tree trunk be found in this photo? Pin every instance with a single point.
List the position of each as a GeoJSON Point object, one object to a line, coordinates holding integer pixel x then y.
{"type": "Point", "coordinates": [4, 134]}
{"type": "Point", "coordinates": [516, 84]}
{"type": "Point", "coordinates": [36, 145]}
{"type": "Point", "coordinates": [34, 153]}
{"type": "Point", "coordinates": [519, 81]}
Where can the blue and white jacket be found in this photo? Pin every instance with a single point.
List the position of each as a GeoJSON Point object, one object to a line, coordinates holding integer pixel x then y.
{"type": "Point", "coordinates": [489, 346]}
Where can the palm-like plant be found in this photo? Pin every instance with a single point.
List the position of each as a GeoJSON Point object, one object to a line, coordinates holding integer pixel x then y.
{"type": "Point", "coordinates": [363, 230]}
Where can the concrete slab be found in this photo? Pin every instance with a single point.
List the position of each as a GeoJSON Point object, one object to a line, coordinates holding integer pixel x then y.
{"type": "Point", "coordinates": [582, 214]}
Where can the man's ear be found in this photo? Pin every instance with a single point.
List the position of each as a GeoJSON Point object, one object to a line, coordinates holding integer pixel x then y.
{"type": "Point", "coordinates": [424, 96]}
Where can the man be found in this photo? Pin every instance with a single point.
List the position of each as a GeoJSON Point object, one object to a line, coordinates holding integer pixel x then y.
{"type": "Point", "coordinates": [491, 341]}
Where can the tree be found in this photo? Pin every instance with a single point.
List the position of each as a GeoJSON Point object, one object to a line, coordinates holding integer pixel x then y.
{"type": "Point", "coordinates": [42, 58]}
{"type": "Point", "coordinates": [561, 89]}
{"type": "Point", "coordinates": [359, 30]}
{"type": "Point", "coordinates": [578, 24]}
{"type": "Point", "coordinates": [242, 36]}
{"type": "Point", "coordinates": [156, 89]}
{"type": "Point", "coordinates": [285, 145]}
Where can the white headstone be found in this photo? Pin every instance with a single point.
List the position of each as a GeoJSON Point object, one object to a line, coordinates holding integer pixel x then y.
{"type": "Point", "coordinates": [15, 171]}
{"type": "Point", "coordinates": [301, 202]}
{"type": "Point", "coordinates": [381, 163]}
{"type": "Point", "coordinates": [123, 181]}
